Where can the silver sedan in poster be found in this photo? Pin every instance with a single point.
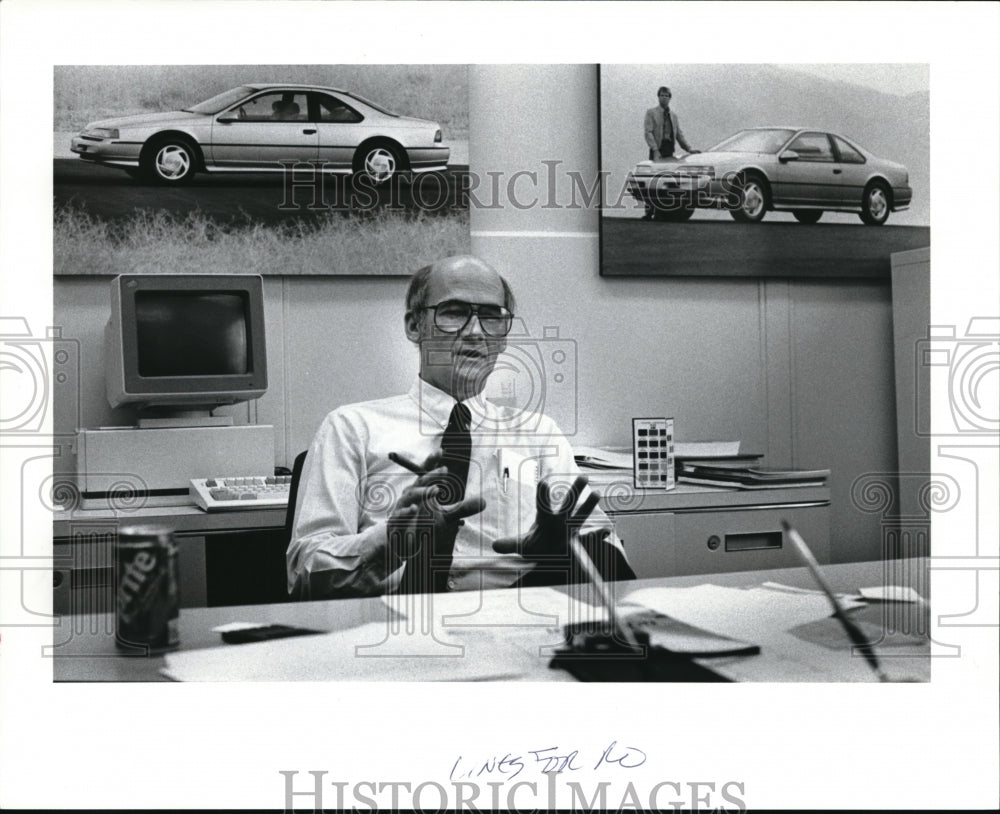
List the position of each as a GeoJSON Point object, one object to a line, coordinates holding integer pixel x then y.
{"type": "Point", "coordinates": [265, 128]}
{"type": "Point", "coordinates": [803, 171]}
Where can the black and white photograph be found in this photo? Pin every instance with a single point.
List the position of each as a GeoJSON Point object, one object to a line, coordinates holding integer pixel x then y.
{"type": "Point", "coordinates": [431, 406]}
{"type": "Point", "coordinates": [763, 169]}
{"type": "Point", "coordinates": [275, 170]}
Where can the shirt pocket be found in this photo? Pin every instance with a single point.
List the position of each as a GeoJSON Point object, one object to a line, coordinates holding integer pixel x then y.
{"type": "Point", "coordinates": [516, 503]}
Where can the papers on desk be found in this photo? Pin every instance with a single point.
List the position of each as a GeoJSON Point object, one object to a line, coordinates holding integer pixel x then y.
{"type": "Point", "coordinates": [371, 652]}
{"type": "Point", "coordinates": [506, 634]}
{"type": "Point", "coordinates": [891, 593]}
{"type": "Point", "coordinates": [741, 613]}
{"type": "Point", "coordinates": [621, 457]}
{"type": "Point", "coordinates": [594, 458]}
{"type": "Point", "coordinates": [463, 644]}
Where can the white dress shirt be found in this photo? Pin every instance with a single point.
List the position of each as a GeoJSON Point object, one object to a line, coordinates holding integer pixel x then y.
{"type": "Point", "coordinates": [349, 486]}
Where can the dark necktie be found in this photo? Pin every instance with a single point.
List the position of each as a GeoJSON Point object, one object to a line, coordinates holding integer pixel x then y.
{"type": "Point", "coordinates": [456, 448]}
{"type": "Point", "coordinates": [668, 135]}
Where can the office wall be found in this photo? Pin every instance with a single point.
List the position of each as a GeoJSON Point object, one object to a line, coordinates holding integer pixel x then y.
{"type": "Point", "coordinates": [799, 370]}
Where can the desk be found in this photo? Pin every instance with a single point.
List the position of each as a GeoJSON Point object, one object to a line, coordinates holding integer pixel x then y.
{"type": "Point", "coordinates": [238, 557]}
{"type": "Point", "coordinates": [224, 558]}
{"type": "Point", "coordinates": [84, 648]}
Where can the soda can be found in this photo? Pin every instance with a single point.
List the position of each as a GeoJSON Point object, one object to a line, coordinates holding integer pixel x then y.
{"type": "Point", "coordinates": [147, 595]}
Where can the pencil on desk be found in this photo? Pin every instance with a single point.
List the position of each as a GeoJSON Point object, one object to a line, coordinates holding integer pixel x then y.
{"type": "Point", "coordinates": [579, 553]}
{"type": "Point", "coordinates": [853, 633]}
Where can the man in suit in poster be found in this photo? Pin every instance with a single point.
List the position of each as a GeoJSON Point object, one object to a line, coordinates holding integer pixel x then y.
{"type": "Point", "coordinates": [662, 130]}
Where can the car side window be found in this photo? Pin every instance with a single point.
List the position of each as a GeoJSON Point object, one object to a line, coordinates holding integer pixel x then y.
{"type": "Point", "coordinates": [848, 155]}
{"type": "Point", "coordinates": [284, 106]}
{"type": "Point", "coordinates": [812, 147]}
{"type": "Point", "coordinates": [332, 109]}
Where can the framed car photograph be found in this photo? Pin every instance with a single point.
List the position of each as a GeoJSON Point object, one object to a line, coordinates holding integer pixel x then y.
{"type": "Point", "coordinates": [325, 169]}
{"type": "Point", "coordinates": [762, 170]}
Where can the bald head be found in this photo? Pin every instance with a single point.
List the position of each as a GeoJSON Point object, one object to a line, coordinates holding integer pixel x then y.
{"type": "Point", "coordinates": [441, 273]}
{"type": "Point", "coordinates": [456, 361]}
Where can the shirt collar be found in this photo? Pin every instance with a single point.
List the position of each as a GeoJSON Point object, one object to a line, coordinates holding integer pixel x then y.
{"type": "Point", "coordinates": [437, 405]}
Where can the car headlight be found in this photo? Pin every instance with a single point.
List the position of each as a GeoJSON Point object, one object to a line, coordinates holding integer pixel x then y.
{"type": "Point", "coordinates": [101, 132]}
{"type": "Point", "coordinates": [694, 169]}
{"type": "Point", "coordinates": [437, 136]}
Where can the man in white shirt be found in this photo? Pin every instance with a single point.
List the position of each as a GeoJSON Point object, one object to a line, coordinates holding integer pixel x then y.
{"type": "Point", "coordinates": [498, 494]}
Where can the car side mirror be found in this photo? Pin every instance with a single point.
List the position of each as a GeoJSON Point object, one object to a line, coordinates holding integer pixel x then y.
{"type": "Point", "coordinates": [788, 155]}
{"type": "Point", "coordinates": [226, 119]}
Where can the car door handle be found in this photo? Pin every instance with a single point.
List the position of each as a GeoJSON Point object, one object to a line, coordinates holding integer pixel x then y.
{"type": "Point", "coordinates": [309, 131]}
{"type": "Point", "coordinates": [837, 172]}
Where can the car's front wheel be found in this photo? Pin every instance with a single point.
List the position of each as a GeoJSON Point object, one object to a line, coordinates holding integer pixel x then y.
{"type": "Point", "coordinates": [875, 204]}
{"type": "Point", "coordinates": [808, 215]}
{"type": "Point", "coordinates": [379, 161]}
{"type": "Point", "coordinates": [169, 161]}
{"type": "Point", "coordinates": [677, 214]}
{"type": "Point", "coordinates": [754, 200]}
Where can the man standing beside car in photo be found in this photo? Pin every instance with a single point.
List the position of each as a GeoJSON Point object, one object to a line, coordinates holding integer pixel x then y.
{"type": "Point", "coordinates": [662, 130]}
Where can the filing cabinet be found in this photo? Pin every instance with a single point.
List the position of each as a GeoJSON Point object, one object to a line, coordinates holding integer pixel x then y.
{"type": "Point", "coordinates": [699, 530]}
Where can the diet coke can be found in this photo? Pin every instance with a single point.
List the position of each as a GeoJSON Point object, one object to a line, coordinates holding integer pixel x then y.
{"type": "Point", "coordinates": [147, 595]}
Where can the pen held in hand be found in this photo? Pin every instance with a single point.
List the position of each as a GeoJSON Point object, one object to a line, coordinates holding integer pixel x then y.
{"type": "Point", "coordinates": [406, 463]}
{"type": "Point", "coordinates": [416, 469]}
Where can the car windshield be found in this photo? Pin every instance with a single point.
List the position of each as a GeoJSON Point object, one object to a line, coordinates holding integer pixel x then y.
{"type": "Point", "coordinates": [754, 141]}
{"type": "Point", "coordinates": [220, 102]}
{"type": "Point", "coordinates": [372, 104]}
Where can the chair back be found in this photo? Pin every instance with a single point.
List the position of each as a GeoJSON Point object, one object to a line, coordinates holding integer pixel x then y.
{"type": "Point", "coordinates": [293, 492]}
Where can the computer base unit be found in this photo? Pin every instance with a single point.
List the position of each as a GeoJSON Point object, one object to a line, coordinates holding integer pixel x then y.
{"type": "Point", "coordinates": [160, 462]}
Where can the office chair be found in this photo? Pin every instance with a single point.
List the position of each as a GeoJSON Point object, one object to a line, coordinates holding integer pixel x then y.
{"type": "Point", "coordinates": [299, 590]}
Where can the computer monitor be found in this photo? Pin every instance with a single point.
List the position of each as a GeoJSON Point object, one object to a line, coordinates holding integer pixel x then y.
{"type": "Point", "coordinates": [185, 343]}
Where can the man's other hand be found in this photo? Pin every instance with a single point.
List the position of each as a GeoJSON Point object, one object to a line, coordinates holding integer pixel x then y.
{"type": "Point", "coordinates": [548, 538]}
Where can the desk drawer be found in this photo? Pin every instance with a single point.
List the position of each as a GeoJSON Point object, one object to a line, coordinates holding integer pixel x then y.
{"type": "Point", "coordinates": [750, 540]}
{"type": "Point", "coordinates": [666, 544]}
{"type": "Point", "coordinates": [83, 578]}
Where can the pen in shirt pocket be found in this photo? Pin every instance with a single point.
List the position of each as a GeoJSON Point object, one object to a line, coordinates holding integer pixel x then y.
{"type": "Point", "coordinates": [506, 478]}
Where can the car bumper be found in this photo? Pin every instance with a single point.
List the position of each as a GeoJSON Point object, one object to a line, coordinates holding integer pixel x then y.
{"type": "Point", "coordinates": [428, 159]}
{"type": "Point", "coordinates": [901, 198]}
{"type": "Point", "coordinates": [106, 151]}
{"type": "Point", "coordinates": [673, 190]}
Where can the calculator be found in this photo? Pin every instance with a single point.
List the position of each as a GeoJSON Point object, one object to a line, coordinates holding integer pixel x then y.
{"type": "Point", "coordinates": [653, 453]}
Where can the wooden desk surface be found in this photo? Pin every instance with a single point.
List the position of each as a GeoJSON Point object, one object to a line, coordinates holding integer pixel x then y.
{"type": "Point", "coordinates": [84, 648]}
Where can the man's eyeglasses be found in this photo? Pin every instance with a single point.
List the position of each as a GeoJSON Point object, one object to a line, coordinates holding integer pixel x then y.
{"type": "Point", "coordinates": [451, 316]}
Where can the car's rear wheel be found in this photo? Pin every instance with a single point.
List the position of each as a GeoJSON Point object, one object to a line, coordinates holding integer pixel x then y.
{"type": "Point", "coordinates": [379, 161]}
{"type": "Point", "coordinates": [875, 204]}
{"type": "Point", "coordinates": [807, 215]}
{"type": "Point", "coordinates": [755, 200]}
{"type": "Point", "coordinates": [169, 161]}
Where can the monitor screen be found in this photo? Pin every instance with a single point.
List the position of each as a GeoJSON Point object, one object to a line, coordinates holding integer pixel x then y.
{"type": "Point", "coordinates": [185, 340]}
{"type": "Point", "coordinates": [191, 334]}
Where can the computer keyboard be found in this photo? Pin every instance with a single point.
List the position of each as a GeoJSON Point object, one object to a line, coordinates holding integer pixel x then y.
{"type": "Point", "coordinates": [245, 492]}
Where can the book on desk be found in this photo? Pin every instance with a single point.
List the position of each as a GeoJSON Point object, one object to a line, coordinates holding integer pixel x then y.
{"type": "Point", "coordinates": [738, 475]}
